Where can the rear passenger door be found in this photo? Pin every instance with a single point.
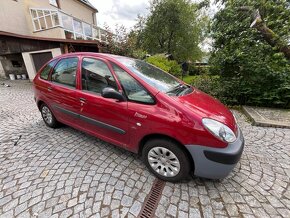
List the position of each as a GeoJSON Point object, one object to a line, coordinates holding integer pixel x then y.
{"type": "Point", "coordinates": [62, 90]}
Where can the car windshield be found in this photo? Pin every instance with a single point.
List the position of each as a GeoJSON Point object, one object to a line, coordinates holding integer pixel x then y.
{"type": "Point", "coordinates": [154, 76]}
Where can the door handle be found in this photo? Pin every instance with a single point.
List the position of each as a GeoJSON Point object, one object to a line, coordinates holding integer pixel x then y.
{"type": "Point", "coordinates": [49, 88]}
{"type": "Point", "coordinates": [83, 100]}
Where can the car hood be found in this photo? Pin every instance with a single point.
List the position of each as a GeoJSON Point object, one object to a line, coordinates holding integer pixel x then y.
{"type": "Point", "coordinates": [203, 105]}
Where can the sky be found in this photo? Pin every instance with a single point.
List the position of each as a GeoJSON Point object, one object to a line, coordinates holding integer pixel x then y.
{"type": "Point", "coordinates": [119, 12]}
{"type": "Point", "coordinates": [125, 12]}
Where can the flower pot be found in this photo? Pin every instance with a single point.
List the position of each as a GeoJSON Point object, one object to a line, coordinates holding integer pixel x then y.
{"type": "Point", "coordinates": [24, 76]}
{"type": "Point", "coordinates": [12, 76]}
{"type": "Point", "coordinates": [18, 76]}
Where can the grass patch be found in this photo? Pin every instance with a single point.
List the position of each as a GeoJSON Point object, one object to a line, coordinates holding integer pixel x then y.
{"type": "Point", "coordinates": [189, 79]}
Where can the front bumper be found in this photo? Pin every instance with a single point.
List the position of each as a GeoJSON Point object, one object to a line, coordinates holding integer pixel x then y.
{"type": "Point", "coordinates": [216, 163]}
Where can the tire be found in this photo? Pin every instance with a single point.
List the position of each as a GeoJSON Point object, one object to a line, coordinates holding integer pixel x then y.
{"type": "Point", "coordinates": [166, 168]}
{"type": "Point", "coordinates": [48, 117]}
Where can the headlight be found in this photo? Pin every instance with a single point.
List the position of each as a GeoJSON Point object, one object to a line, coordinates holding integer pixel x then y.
{"type": "Point", "coordinates": [219, 130]}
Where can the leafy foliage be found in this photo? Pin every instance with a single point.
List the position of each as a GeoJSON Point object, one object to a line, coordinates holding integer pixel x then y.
{"type": "Point", "coordinates": [251, 71]}
{"type": "Point", "coordinates": [163, 63]}
{"type": "Point", "coordinates": [174, 27]}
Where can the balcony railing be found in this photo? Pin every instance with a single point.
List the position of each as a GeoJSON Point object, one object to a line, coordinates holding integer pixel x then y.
{"type": "Point", "coordinates": [74, 28]}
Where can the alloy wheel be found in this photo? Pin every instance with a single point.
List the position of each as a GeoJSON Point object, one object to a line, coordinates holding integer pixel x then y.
{"type": "Point", "coordinates": [163, 161]}
{"type": "Point", "coordinates": [47, 115]}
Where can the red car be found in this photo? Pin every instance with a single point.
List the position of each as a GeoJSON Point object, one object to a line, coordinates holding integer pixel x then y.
{"type": "Point", "coordinates": [130, 103]}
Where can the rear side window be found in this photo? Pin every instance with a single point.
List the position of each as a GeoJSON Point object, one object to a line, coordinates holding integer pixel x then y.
{"type": "Point", "coordinates": [134, 91]}
{"type": "Point", "coordinates": [45, 72]}
{"type": "Point", "coordinates": [65, 72]}
{"type": "Point", "coordinates": [96, 76]}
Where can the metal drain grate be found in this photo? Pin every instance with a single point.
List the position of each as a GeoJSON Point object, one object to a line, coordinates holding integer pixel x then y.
{"type": "Point", "coordinates": [151, 201]}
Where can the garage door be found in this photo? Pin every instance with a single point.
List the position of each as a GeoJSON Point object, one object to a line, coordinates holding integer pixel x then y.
{"type": "Point", "coordinates": [39, 59]}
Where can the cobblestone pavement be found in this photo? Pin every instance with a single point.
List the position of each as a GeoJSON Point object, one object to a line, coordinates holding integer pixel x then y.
{"type": "Point", "coordinates": [63, 172]}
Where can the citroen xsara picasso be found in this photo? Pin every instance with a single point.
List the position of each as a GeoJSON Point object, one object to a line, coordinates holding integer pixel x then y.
{"type": "Point", "coordinates": [127, 102]}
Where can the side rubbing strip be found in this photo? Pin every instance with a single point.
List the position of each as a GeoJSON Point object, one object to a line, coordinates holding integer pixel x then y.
{"type": "Point", "coordinates": [68, 112]}
{"type": "Point", "coordinates": [102, 125]}
{"type": "Point", "coordinates": [91, 121]}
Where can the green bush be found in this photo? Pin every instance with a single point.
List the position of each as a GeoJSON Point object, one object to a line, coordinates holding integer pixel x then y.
{"type": "Point", "coordinates": [163, 63]}
{"type": "Point", "coordinates": [139, 54]}
{"type": "Point", "coordinates": [208, 84]}
{"type": "Point", "coordinates": [197, 70]}
{"type": "Point", "coordinates": [252, 71]}
{"type": "Point", "coordinates": [192, 70]}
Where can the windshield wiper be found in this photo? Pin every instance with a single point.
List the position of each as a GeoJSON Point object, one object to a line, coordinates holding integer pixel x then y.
{"type": "Point", "coordinates": [177, 89]}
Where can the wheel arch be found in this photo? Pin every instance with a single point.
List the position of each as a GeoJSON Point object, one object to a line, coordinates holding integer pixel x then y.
{"type": "Point", "coordinates": [166, 137]}
{"type": "Point", "coordinates": [39, 103]}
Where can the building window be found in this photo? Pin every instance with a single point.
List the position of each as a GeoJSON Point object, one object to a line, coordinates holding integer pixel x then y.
{"type": "Point", "coordinates": [67, 22]}
{"type": "Point", "coordinates": [87, 30]}
{"type": "Point", "coordinates": [44, 19]}
{"type": "Point", "coordinates": [16, 63]}
{"type": "Point", "coordinates": [54, 3]}
{"type": "Point", "coordinates": [78, 26]}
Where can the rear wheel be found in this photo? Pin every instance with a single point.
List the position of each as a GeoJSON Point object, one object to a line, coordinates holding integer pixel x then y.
{"type": "Point", "coordinates": [166, 160]}
{"type": "Point", "coordinates": [48, 117]}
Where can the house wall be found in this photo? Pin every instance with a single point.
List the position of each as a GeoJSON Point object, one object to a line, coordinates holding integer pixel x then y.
{"type": "Point", "coordinates": [77, 9]}
{"type": "Point", "coordinates": [8, 66]}
{"type": "Point", "coordinates": [29, 64]}
{"type": "Point", "coordinates": [2, 72]}
{"type": "Point", "coordinates": [13, 18]}
{"type": "Point", "coordinates": [56, 32]}
{"type": "Point", "coordinates": [16, 15]}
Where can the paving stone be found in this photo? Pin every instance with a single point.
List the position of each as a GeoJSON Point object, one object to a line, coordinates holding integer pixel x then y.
{"type": "Point", "coordinates": [135, 209]}
{"type": "Point", "coordinates": [172, 210]}
{"type": "Point", "coordinates": [126, 201]}
{"type": "Point", "coordinates": [64, 172]}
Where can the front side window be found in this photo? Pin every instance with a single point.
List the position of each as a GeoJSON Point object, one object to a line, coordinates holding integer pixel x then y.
{"type": "Point", "coordinates": [134, 91]}
{"type": "Point", "coordinates": [65, 72]}
{"type": "Point", "coordinates": [153, 76]}
{"type": "Point", "coordinates": [96, 76]}
{"type": "Point", "coordinates": [45, 72]}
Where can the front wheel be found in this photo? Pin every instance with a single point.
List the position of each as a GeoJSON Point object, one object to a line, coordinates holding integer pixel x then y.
{"type": "Point", "coordinates": [166, 160]}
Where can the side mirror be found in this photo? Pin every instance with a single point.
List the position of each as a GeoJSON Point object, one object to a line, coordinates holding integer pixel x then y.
{"type": "Point", "coordinates": [112, 93]}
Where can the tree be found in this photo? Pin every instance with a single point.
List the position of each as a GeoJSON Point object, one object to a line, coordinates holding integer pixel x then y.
{"type": "Point", "coordinates": [252, 66]}
{"type": "Point", "coordinates": [272, 38]}
{"type": "Point", "coordinates": [174, 27]}
{"type": "Point", "coordinates": [120, 42]}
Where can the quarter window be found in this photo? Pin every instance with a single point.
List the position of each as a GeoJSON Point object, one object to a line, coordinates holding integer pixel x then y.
{"type": "Point", "coordinates": [65, 72]}
{"type": "Point", "coordinates": [45, 72]}
{"type": "Point", "coordinates": [134, 91]}
{"type": "Point", "coordinates": [96, 76]}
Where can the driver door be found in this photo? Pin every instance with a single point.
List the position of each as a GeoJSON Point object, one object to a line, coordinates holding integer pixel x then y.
{"type": "Point", "coordinates": [103, 117]}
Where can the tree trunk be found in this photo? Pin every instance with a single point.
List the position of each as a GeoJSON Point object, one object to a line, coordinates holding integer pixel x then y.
{"type": "Point", "coordinates": [169, 43]}
{"type": "Point", "coordinates": [273, 39]}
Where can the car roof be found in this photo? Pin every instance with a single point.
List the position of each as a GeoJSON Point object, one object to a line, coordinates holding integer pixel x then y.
{"type": "Point", "coordinates": [104, 55]}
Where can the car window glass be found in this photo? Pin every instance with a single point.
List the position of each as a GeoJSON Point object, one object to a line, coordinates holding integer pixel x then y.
{"type": "Point", "coordinates": [96, 76]}
{"type": "Point", "coordinates": [65, 72]}
{"type": "Point", "coordinates": [132, 88]}
{"type": "Point", "coordinates": [150, 74]}
{"type": "Point", "coordinates": [45, 72]}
